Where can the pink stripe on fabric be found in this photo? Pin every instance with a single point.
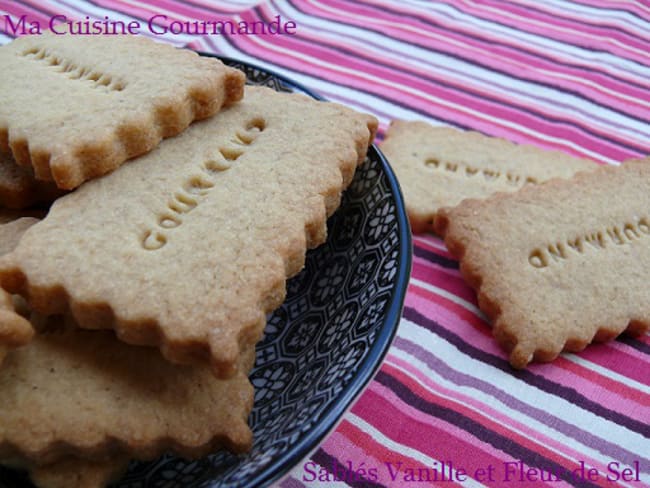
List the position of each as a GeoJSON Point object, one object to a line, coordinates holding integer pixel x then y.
{"type": "Point", "coordinates": [633, 366]}
{"type": "Point", "coordinates": [559, 28]}
{"type": "Point", "coordinates": [16, 11]}
{"type": "Point", "coordinates": [628, 400]}
{"type": "Point", "coordinates": [486, 34]}
{"type": "Point", "coordinates": [560, 371]}
{"type": "Point", "coordinates": [637, 8]}
{"type": "Point", "coordinates": [467, 402]}
{"type": "Point", "coordinates": [452, 443]}
{"type": "Point", "coordinates": [432, 243]}
{"type": "Point", "coordinates": [546, 109]}
{"type": "Point", "coordinates": [616, 346]}
{"type": "Point", "coordinates": [546, 106]}
{"type": "Point", "coordinates": [408, 426]}
{"type": "Point", "coordinates": [446, 279]}
{"type": "Point", "coordinates": [374, 454]}
{"type": "Point", "coordinates": [459, 40]}
{"type": "Point", "coordinates": [389, 85]}
{"type": "Point", "coordinates": [598, 18]}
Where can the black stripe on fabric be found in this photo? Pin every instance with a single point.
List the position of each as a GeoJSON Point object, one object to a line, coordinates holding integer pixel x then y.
{"type": "Point", "coordinates": [231, 41]}
{"type": "Point", "coordinates": [334, 467]}
{"type": "Point", "coordinates": [207, 8]}
{"type": "Point", "coordinates": [634, 343]}
{"type": "Point", "coordinates": [554, 121]}
{"type": "Point", "coordinates": [518, 76]}
{"type": "Point", "coordinates": [78, 10]}
{"type": "Point", "coordinates": [634, 14]}
{"type": "Point", "coordinates": [518, 48]}
{"type": "Point", "coordinates": [435, 258]}
{"type": "Point", "coordinates": [544, 384]}
{"type": "Point", "coordinates": [603, 26]}
{"type": "Point", "coordinates": [586, 47]}
{"type": "Point", "coordinates": [476, 429]}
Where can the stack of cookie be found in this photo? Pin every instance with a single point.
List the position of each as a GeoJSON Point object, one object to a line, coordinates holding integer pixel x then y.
{"type": "Point", "coordinates": [556, 247]}
{"type": "Point", "coordinates": [130, 311]}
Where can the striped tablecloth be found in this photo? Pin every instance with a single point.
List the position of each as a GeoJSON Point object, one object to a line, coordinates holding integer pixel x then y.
{"type": "Point", "coordinates": [568, 75]}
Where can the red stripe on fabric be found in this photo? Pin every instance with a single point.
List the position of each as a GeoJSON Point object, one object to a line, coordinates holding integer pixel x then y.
{"type": "Point", "coordinates": [562, 29]}
{"type": "Point", "coordinates": [445, 279]}
{"type": "Point", "coordinates": [478, 89]}
{"type": "Point", "coordinates": [611, 393]}
{"type": "Point", "coordinates": [392, 85]}
{"type": "Point", "coordinates": [456, 443]}
{"type": "Point", "coordinates": [601, 388]}
{"type": "Point", "coordinates": [408, 426]}
{"type": "Point", "coordinates": [470, 401]}
{"type": "Point", "coordinates": [376, 453]}
{"type": "Point", "coordinates": [459, 40]}
{"type": "Point", "coordinates": [17, 11]}
{"type": "Point", "coordinates": [631, 366]}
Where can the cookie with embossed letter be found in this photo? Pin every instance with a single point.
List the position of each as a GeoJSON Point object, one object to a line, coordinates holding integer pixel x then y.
{"type": "Point", "coordinates": [558, 265]}
{"type": "Point", "coordinates": [19, 189]}
{"type": "Point", "coordinates": [15, 331]}
{"type": "Point", "coordinates": [440, 166]}
{"type": "Point", "coordinates": [189, 247]}
{"type": "Point", "coordinates": [84, 394]}
{"type": "Point", "coordinates": [76, 107]}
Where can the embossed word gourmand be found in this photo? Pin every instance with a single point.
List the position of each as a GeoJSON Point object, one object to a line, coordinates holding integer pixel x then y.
{"type": "Point", "coordinates": [559, 265]}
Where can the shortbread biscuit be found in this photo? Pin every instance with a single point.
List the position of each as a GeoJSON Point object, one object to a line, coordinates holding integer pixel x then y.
{"type": "Point", "coordinates": [189, 247]}
{"type": "Point", "coordinates": [80, 393]}
{"type": "Point", "coordinates": [73, 472]}
{"type": "Point", "coordinates": [15, 330]}
{"type": "Point", "coordinates": [12, 231]}
{"type": "Point", "coordinates": [76, 107]}
{"type": "Point", "coordinates": [440, 166]}
{"type": "Point", "coordinates": [558, 265]}
{"type": "Point", "coordinates": [7, 215]}
{"type": "Point", "coordinates": [19, 189]}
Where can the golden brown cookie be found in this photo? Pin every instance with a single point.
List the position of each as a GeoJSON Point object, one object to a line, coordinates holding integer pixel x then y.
{"type": "Point", "coordinates": [19, 189]}
{"type": "Point", "coordinates": [74, 392]}
{"type": "Point", "coordinates": [12, 231]}
{"type": "Point", "coordinates": [189, 247]}
{"type": "Point", "coordinates": [558, 265]}
{"type": "Point", "coordinates": [440, 166]}
{"type": "Point", "coordinates": [76, 107]}
{"type": "Point", "coordinates": [15, 330]}
{"type": "Point", "coordinates": [72, 472]}
{"type": "Point", "coordinates": [7, 215]}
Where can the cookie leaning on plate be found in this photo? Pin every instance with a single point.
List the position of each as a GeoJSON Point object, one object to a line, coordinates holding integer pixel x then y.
{"type": "Point", "coordinates": [76, 107]}
{"type": "Point", "coordinates": [188, 247]}
{"type": "Point", "coordinates": [558, 265]}
{"type": "Point", "coordinates": [440, 166]}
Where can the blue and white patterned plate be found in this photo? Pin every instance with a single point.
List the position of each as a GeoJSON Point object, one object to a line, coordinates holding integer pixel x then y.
{"type": "Point", "coordinates": [322, 346]}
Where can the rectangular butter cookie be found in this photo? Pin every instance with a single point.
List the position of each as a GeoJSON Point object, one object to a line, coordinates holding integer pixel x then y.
{"type": "Point", "coordinates": [84, 394]}
{"type": "Point", "coordinates": [440, 166]}
{"type": "Point", "coordinates": [559, 265]}
{"type": "Point", "coordinates": [188, 247]}
{"type": "Point", "coordinates": [76, 107]}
